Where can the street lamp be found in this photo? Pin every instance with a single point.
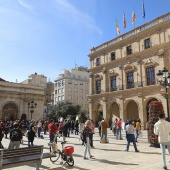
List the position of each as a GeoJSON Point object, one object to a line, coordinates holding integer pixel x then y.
{"type": "Point", "coordinates": [32, 106]}
{"type": "Point", "coordinates": [164, 80]}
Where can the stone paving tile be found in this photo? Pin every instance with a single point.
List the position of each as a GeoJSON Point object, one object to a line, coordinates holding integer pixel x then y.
{"type": "Point", "coordinates": [111, 156]}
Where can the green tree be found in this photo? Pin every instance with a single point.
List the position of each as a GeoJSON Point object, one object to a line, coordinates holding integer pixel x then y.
{"type": "Point", "coordinates": [83, 115]}
{"type": "Point", "coordinates": [64, 109]}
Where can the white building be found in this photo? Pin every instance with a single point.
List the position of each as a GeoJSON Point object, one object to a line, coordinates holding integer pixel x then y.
{"type": "Point", "coordinates": [73, 85]}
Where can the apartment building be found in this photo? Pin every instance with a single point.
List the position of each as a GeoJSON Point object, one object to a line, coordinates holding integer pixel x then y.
{"type": "Point", "coordinates": [123, 72]}
{"type": "Point", "coordinates": [73, 85]}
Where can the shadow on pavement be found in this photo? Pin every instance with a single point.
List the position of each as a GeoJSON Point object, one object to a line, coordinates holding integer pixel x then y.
{"type": "Point", "coordinates": [112, 162]}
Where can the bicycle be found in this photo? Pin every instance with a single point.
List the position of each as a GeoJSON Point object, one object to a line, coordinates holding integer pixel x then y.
{"type": "Point", "coordinates": [65, 153]}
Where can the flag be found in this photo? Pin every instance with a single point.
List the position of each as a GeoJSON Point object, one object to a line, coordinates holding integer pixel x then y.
{"type": "Point", "coordinates": [133, 17]}
{"type": "Point", "coordinates": [117, 28]}
{"type": "Point", "coordinates": [143, 10]}
{"type": "Point", "coordinates": [124, 20]}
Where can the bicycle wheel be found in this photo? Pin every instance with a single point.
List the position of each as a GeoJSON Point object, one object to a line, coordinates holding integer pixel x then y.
{"type": "Point", "coordinates": [54, 156]}
{"type": "Point", "coordinates": [70, 160]}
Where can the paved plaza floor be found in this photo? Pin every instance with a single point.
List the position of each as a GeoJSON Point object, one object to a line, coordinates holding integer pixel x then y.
{"type": "Point", "coordinates": [110, 156]}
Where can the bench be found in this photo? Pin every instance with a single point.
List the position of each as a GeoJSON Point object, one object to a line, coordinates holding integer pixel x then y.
{"type": "Point", "coordinates": [22, 156]}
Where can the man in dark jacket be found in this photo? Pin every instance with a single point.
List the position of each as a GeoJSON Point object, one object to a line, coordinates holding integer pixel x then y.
{"type": "Point", "coordinates": [64, 129]}
{"type": "Point", "coordinates": [15, 137]}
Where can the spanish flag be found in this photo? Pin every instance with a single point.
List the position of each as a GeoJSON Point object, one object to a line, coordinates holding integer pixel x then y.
{"type": "Point", "coordinates": [133, 17]}
{"type": "Point", "coordinates": [117, 27]}
{"type": "Point", "coordinates": [124, 20]}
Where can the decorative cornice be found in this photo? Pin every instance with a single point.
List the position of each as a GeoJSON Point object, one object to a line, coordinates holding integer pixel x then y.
{"type": "Point", "coordinates": [104, 71]}
{"type": "Point", "coordinates": [128, 68]}
{"type": "Point", "coordinates": [90, 74]}
{"type": "Point", "coordinates": [161, 52]}
{"type": "Point", "coordinates": [112, 72]}
{"type": "Point", "coordinates": [98, 77]}
{"type": "Point", "coordinates": [149, 63]}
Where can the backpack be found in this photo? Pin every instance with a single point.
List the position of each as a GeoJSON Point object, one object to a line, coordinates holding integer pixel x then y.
{"type": "Point", "coordinates": [84, 135]}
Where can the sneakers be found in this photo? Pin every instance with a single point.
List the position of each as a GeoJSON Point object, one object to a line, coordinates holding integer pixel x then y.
{"type": "Point", "coordinates": [92, 147]}
{"type": "Point", "coordinates": [165, 167]}
{"type": "Point", "coordinates": [91, 156]}
{"type": "Point", "coordinates": [137, 150]}
{"type": "Point", "coordinates": [85, 158]}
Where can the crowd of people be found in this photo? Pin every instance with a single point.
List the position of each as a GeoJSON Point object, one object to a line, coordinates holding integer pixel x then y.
{"type": "Point", "coordinates": [14, 130]}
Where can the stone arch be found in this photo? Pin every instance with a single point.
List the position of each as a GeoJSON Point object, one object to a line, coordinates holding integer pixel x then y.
{"type": "Point", "coordinates": [9, 111]}
{"type": "Point", "coordinates": [97, 112]}
{"type": "Point", "coordinates": [114, 110]}
{"type": "Point", "coordinates": [132, 109]}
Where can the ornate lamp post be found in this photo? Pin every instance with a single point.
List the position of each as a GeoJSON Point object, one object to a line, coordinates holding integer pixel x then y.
{"type": "Point", "coordinates": [32, 106]}
{"type": "Point", "coordinates": [164, 80]}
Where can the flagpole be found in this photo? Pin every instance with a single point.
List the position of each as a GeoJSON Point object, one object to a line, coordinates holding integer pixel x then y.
{"type": "Point", "coordinates": [143, 11]}
{"type": "Point", "coordinates": [116, 28]}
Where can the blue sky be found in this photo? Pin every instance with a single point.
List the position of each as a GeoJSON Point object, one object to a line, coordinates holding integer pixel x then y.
{"type": "Point", "coordinates": [47, 36]}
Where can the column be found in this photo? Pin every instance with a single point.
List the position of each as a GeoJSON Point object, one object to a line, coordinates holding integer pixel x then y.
{"type": "Point", "coordinates": [90, 109]}
{"type": "Point", "coordinates": [91, 83]}
{"type": "Point", "coordinates": [121, 109]}
{"type": "Point", "coordinates": [104, 80]}
{"type": "Point", "coordinates": [105, 110]}
{"type": "Point", "coordinates": [141, 112]}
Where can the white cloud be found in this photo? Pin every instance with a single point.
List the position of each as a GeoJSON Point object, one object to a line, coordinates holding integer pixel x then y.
{"type": "Point", "coordinates": [26, 5]}
{"type": "Point", "coordinates": [74, 14]}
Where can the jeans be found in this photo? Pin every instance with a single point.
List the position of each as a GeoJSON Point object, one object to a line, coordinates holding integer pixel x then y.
{"type": "Point", "coordinates": [14, 145]}
{"type": "Point", "coordinates": [87, 147]}
{"type": "Point", "coordinates": [105, 134]}
{"type": "Point", "coordinates": [136, 135]}
{"type": "Point", "coordinates": [162, 146]}
{"type": "Point", "coordinates": [39, 132]}
{"type": "Point", "coordinates": [118, 131]}
{"type": "Point", "coordinates": [52, 138]}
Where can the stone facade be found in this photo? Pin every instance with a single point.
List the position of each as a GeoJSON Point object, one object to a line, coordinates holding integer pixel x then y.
{"type": "Point", "coordinates": [123, 72]}
{"type": "Point", "coordinates": [14, 99]}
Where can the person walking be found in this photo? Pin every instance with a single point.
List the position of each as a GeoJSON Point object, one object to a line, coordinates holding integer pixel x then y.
{"type": "Point", "coordinates": [39, 126]}
{"type": "Point", "coordinates": [81, 128]}
{"type": "Point", "coordinates": [137, 129]}
{"type": "Point", "coordinates": [31, 133]}
{"type": "Point", "coordinates": [86, 139]}
{"type": "Point", "coordinates": [104, 127]}
{"type": "Point", "coordinates": [162, 129]}
{"type": "Point", "coordinates": [1, 137]}
{"type": "Point", "coordinates": [92, 127]}
{"type": "Point", "coordinates": [6, 129]}
{"type": "Point", "coordinates": [76, 127]}
{"type": "Point", "coordinates": [64, 128]}
{"type": "Point", "coordinates": [119, 129]}
{"type": "Point", "coordinates": [114, 127]}
{"type": "Point", "coordinates": [52, 130]}
{"type": "Point", "coordinates": [15, 137]}
{"type": "Point", "coordinates": [130, 130]}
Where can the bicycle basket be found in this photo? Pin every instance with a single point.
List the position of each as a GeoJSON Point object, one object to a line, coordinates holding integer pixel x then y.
{"type": "Point", "coordinates": [68, 150]}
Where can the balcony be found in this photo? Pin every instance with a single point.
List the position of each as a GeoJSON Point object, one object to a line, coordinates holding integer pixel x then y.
{"type": "Point", "coordinates": [134, 85]}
